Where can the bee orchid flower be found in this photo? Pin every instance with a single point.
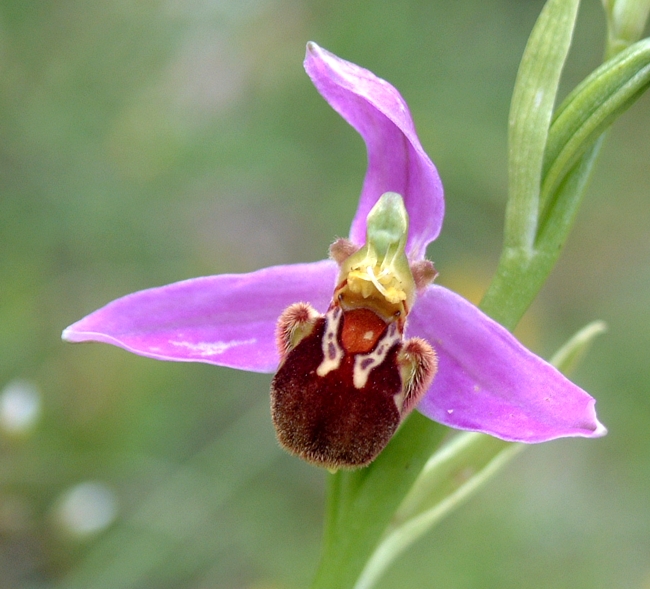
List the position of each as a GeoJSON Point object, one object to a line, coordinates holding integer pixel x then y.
{"type": "Point", "coordinates": [359, 340]}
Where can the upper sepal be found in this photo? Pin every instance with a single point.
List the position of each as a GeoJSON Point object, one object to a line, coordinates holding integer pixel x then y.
{"type": "Point", "coordinates": [396, 160]}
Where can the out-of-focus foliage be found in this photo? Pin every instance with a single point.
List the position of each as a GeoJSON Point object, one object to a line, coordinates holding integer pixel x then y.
{"type": "Point", "coordinates": [147, 142]}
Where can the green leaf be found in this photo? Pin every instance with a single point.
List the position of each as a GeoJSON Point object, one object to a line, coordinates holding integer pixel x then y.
{"type": "Point", "coordinates": [519, 277]}
{"type": "Point", "coordinates": [530, 116]}
{"type": "Point", "coordinates": [590, 109]}
{"type": "Point", "coordinates": [574, 141]}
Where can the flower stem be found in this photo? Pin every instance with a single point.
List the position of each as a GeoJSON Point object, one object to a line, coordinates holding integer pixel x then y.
{"type": "Point", "coordinates": [361, 503]}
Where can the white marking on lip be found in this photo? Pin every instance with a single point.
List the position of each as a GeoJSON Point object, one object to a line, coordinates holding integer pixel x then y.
{"type": "Point", "coordinates": [330, 343]}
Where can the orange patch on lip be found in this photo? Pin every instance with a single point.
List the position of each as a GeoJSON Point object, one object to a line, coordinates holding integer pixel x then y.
{"type": "Point", "coordinates": [362, 329]}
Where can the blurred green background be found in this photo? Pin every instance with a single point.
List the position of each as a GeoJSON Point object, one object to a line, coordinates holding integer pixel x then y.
{"type": "Point", "coordinates": [144, 142]}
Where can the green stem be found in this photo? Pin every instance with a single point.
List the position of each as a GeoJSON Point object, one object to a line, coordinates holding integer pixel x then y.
{"type": "Point", "coordinates": [520, 275]}
{"type": "Point", "coordinates": [361, 503]}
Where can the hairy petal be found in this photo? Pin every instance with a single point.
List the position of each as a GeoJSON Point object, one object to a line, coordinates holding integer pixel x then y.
{"type": "Point", "coordinates": [488, 382]}
{"type": "Point", "coordinates": [396, 160]}
{"type": "Point", "coordinates": [228, 320]}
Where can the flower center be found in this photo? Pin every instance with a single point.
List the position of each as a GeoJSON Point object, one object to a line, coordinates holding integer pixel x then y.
{"type": "Point", "coordinates": [347, 378]}
{"type": "Point", "coordinates": [378, 276]}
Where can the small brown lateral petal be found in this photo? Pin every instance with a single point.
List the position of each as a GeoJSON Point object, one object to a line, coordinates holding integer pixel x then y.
{"type": "Point", "coordinates": [424, 273]}
{"type": "Point", "coordinates": [419, 365]}
{"type": "Point", "coordinates": [327, 420]}
{"type": "Point", "coordinates": [296, 322]}
{"type": "Point", "coordinates": [342, 249]}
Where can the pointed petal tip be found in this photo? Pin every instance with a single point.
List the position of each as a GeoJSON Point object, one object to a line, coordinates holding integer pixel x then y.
{"type": "Point", "coordinates": [74, 335]}
{"type": "Point", "coordinates": [82, 331]}
{"type": "Point", "coordinates": [321, 64]}
{"type": "Point", "coordinates": [70, 335]}
{"type": "Point", "coordinates": [313, 51]}
{"type": "Point", "coordinates": [600, 430]}
{"type": "Point", "coordinates": [592, 427]}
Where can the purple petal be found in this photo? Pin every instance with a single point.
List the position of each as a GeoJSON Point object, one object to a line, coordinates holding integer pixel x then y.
{"type": "Point", "coordinates": [227, 320]}
{"type": "Point", "coordinates": [396, 160]}
{"type": "Point", "coordinates": [488, 382]}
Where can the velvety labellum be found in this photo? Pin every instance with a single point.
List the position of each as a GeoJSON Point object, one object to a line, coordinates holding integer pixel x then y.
{"type": "Point", "coordinates": [345, 382]}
